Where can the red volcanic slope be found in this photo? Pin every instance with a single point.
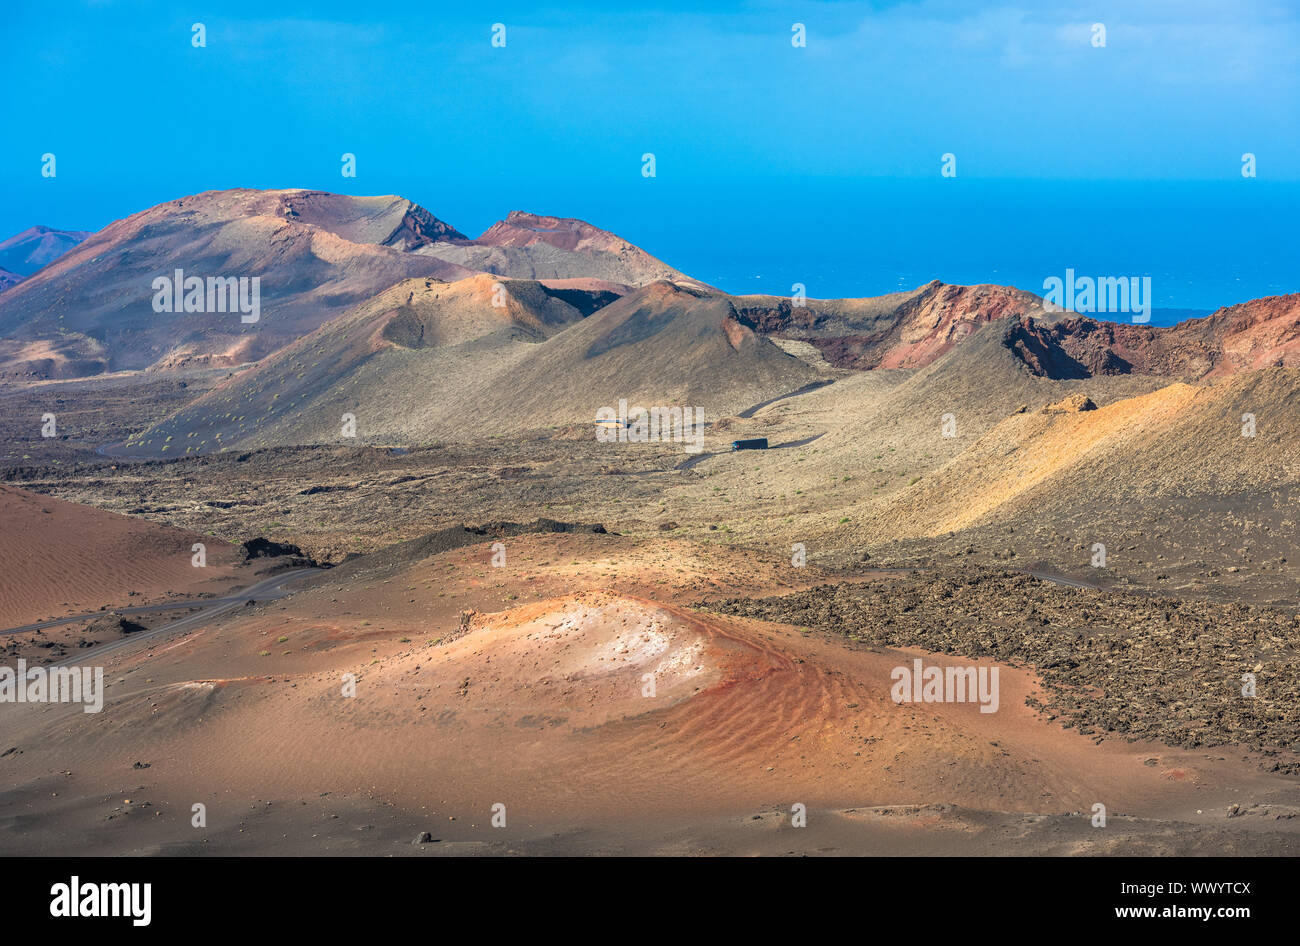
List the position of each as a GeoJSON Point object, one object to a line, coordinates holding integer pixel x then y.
{"type": "Point", "coordinates": [900, 330]}
{"type": "Point", "coordinates": [1261, 333]}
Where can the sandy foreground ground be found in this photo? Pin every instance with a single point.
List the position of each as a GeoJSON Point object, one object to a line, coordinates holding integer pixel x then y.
{"type": "Point", "coordinates": [59, 558]}
{"type": "Point", "coordinates": [576, 697]}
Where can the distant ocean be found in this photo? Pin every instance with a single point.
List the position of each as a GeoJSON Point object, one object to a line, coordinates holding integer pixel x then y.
{"type": "Point", "coordinates": [1204, 244]}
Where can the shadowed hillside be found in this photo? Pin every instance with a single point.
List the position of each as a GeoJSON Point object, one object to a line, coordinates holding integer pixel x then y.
{"type": "Point", "coordinates": [399, 363]}
{"type": "Point", "coordinates": [428, 361]}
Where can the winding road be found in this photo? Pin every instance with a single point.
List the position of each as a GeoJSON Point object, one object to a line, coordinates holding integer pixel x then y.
{"type": "Point", "coordinates": [750, 411]}
{"type": "Point", "coordinates": [815, 385]}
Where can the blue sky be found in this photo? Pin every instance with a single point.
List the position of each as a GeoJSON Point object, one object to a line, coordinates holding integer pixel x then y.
{"type": "Point", "coordinates": [769, 158]}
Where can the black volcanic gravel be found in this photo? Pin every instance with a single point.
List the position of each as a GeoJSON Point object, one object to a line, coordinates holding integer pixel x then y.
{"type": "Point", "coordinates": [1133, 666]}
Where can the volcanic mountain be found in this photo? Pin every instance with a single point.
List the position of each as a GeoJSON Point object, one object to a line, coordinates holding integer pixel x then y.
{"type": "Point", "coordinates": [399, 362]}
{"type": "Point", "coordinates": [429, 360]}
{"type": "Point", "coordinates": [1260, 333]}
{"type": "Point", "coordinates": [529, 246]}
{"type": "Point", "coordinates": [981, 446]}
{"type": "Point", "coordinates": [38, 246]}
{"type": "Point", "coordinates": [663, 345]}
{"type": "Point", "coordinates": [314, 254]}
{"type": "Point", "coordinates": [899, 330]}
{"type": "Point", "coordinates": [8, 279]}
